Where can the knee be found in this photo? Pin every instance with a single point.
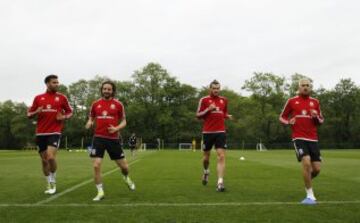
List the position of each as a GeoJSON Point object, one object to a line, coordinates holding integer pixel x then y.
{"type": "Point", "coordinates": [316, 171]}
{"type": "Point", "coordinates": [124, 167]}
{"type": "Point", "coordinates": [206, 157]}
{"type": "Point", "coordinates": [221, 157]}
{"type": "Point", "coordinates": [307, 167]}
{"type": "Point", "coordinates": [50, 159]}
{"type": "Point", "coordinates": [97, 166]}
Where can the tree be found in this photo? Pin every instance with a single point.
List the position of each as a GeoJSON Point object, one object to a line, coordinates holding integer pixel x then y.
{"type": "Point", "coordinates": [162, 107]}
{"type": "Point", "coordinates": [341, 109]}
{"type": "Point", "coordinates": [268, 91]}
{"type": "Point", "coordinates": [16, 131]}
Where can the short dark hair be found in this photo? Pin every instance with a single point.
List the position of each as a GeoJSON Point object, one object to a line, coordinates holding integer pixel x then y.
{"type": "Point", "coordinates": [50, 77]}
{"type": "Point", "coordinates": [214, 82]}
{"type": "Point", "coordinates": [112, 85]}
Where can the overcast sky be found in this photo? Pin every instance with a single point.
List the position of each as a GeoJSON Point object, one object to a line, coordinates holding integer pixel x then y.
{"type": "Point", "coordinates": [195, 40]}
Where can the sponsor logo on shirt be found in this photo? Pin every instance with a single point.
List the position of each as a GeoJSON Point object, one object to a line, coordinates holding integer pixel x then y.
{"type": "Point", "coordinates": [48, 108]}
{"type": "Point", "coordinates": [105, 115]}
{"type": "Point", "coordinates": [304, 112]}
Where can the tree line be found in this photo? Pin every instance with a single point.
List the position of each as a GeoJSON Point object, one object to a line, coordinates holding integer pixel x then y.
{"type": "Point", "coordinates": [158, 106]}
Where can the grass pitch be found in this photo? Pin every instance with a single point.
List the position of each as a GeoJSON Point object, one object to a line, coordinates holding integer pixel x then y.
{"type": "Point", "coordinates": [265, 187]}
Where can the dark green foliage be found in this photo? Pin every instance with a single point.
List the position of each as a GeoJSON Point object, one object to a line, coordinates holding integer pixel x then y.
{"type": "Point", "coordinates": [159, 106]}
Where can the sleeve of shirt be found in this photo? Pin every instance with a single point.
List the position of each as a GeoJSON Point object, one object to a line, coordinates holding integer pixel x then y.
{"type": "Point", "coordinates": [32, 108]}
{"type": "Point", "coordinates": [284, 116]}
{"type": "Point", "coordinates": [67, 108]}
{"type": "Point", "coordinates": [202, 110]}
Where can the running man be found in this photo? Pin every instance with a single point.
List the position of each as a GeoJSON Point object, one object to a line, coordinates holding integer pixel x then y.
{"type": "Point", "coordinates": [51, 109]}
{"type": "Point", "coordinates": [303, 114]}
{"type": "Point", "coordinates": [132, 143]}
{"type": "Point", "coordinates": [213, 111]}
{"type": "Point", "coordinates": [108, 115]}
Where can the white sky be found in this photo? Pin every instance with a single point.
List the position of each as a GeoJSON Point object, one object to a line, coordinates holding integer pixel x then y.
{"type": "Point", "coordinates": [196, 40]}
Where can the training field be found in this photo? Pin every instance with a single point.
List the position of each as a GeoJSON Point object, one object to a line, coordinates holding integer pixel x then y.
{"type": "Point", "coordinates": [266, 187]}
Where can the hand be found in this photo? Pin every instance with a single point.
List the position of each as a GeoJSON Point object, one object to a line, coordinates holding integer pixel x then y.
{"type": "Point", "coordinates": [212, 107]}
{"type": "Point", "coordinates": [38, 110]}
{"type": "Point", "coordinates": [60, 116]}
{"type": "Point", "coordinates": [112, 129]}
{"type": "Point", "coordinates": [292, 121]}
{"type": "Point", "coordinates": [89, 124]}
{"type": "Point", "coordinates": [313, 113]}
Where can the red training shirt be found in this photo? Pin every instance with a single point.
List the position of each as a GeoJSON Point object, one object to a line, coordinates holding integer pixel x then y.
{"type": "Point", "coordinates": [107, 113]}
{"type": "Point", "coordinates": [305, 127]}
{"type": "Point", "coordinates": [52, 103]}
{"type": "Point", "coordinates": [214, 121]}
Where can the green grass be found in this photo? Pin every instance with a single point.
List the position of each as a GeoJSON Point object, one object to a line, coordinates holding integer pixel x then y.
{"type": "Point", "coordinates": [266, 187]}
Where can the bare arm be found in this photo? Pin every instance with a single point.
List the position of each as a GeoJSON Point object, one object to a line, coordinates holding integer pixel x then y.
{"type": "Point", "coordinates": [89, 123]}
{"type": "Point", "coordinates": [112, 129]}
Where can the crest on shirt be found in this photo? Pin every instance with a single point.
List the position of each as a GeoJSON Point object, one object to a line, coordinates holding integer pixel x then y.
{"type": "Point", "coordinates": [48, 106]}
{"type": "Point", "coordinates": [112, 106]}
{"type": "Point", "coordinates": [99, 106]}
{"type": "Point", "coordinates": [210, 101]}
{"type": "Point", "coordinates": [42, 98]}
{"type": "Point", "coordinates": [222, 101]}
{"type": "Point", "coordinates": [104, 113]}
{"type": "Point", "coordinates": [297, 102]}
{"type": "Point", "coordinates": [311, 104]}
{"type": "Point", "coordinates": [304, 112]}
{"type": "Point", "coordinates": [57, 99]}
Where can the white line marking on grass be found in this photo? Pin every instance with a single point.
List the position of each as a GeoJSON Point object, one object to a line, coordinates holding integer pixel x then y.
{"type": "Point", "coordinates": [78, 186]}
{"type": "Point", "coordinates": [267, 203]}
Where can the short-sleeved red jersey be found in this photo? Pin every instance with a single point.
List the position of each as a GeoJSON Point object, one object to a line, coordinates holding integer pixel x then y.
{"type": "Point", "coordinates": [305, 127]}
{"type": "Point", "coordinates": [107, 113]}
{"type": "Point", "coordinates": [214, 121]}
{"type": "Point", "coordinates": [52, 104]}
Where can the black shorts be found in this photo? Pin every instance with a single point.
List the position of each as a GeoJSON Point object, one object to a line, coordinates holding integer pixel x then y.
{"type": "Point", "coordinates": [44, 141]}
{"type": "Point", "coordinates": [214, 139]}
{"type": "Point", "coordinates": [112, 146]}
{"type": "Point", "coordinates": [132, 147]}
{"type": "Point", "coordinates": [307, 148]}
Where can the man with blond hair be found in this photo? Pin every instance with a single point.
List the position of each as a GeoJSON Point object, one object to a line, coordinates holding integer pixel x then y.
{"type": "Point", "coordinates": [303, 114]}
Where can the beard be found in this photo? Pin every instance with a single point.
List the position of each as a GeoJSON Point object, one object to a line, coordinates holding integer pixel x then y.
{"type": "Point", "coordinates": [106, 95]}
{"type": "Point", "coordinates": [305, 93]}
{"type": "Point", "coordinates": [53, 89]}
